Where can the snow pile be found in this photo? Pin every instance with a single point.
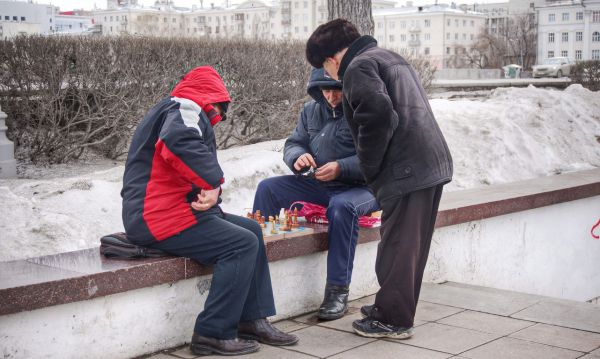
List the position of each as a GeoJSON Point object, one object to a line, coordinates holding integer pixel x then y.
{"type": "Point", "coordinates": [515, 134]}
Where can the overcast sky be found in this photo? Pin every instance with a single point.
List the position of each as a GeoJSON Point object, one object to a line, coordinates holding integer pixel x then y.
{"type": "Point", "coordinates": [66, 5]}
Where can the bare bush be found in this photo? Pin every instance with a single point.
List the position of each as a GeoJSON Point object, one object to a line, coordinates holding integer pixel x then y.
{"type": "Point", "coordinates": [587, 73]}
{"type": "Point", "coordinates": [65, 95]}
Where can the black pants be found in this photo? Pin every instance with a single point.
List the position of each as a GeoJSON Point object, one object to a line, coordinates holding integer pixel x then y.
{"type": "Point", "coordinates": [406, 231]}
{"type": "Point", "coordinates": [241, 283]}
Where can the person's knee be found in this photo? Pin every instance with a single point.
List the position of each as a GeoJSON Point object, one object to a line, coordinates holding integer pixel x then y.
{"type": "Point", "coordinates": [266, 185]}
{"type": "Point", "coordinates": [340, 207]}
{"type": "Point", "coordinates": [249, 243]}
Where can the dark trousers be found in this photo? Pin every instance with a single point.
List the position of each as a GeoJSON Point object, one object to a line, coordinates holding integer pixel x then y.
{"type": "Point", "coordinates": [241, 283]}
{"type": "Point", "coordinates": [344, 204]}
{"type": "Point", "coordinates": [406, 231]}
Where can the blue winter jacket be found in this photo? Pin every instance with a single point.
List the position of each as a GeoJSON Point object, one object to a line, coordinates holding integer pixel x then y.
{"type": "Point", "coordinates": [324, 133]}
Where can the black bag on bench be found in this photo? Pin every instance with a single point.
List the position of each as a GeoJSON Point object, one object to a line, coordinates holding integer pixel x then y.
{"type": "Point", "coordinates": [117, 245]}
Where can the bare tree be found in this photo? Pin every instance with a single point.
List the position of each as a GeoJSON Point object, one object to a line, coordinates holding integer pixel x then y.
{"type": "Point", "coordinates": [356, 11]}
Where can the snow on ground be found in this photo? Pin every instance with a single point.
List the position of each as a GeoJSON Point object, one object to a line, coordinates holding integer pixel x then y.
{"type": "Point", "coordinates": [510, 135]}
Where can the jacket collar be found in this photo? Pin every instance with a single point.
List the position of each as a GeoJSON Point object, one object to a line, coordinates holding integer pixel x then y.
{"type": "Point", "coordinates": [357, 47]}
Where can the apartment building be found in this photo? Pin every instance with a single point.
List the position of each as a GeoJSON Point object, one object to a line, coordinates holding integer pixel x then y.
{"type": "Point", "coordinates": [568, 29]}
{"type": "Point", "coordinates": [436, 31]}
{"type": "Point", "coordinates": [499, 13]}
{"type": "Point", "coordinates": [20, 17]}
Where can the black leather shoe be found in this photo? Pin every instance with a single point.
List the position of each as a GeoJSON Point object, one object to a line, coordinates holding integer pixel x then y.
{"type": "Point", "coordinates": [265, 332]}
{"type": "Point", "coordinates": [335, 302]}
{"type": "Point", "coordinates": [202, 345]}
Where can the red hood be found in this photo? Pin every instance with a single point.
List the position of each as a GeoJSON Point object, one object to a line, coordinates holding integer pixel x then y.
{"type": "Point", "coordinates": [204, 86]}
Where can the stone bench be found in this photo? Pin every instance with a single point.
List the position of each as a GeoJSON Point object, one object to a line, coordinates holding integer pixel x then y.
{"type": "Point", "coordinates": [84, 289]}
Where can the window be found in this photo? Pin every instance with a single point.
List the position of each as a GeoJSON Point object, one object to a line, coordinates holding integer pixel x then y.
{"type": "Point", "coordinates": [305, 4]}
{"type": "Point", "coordinates": [380, 25]}
{"type": "Point", "coordinates": [447, 51]}
{"type": "Point", "coordinates": [472, 37]}
{"type": "Point", "coordinates": [455, 36]}
{"type": "Point", "coordinates": [447, 36]}
{"type": "Point", "coordinates": [551, 17]}
{"type": "Point", "coordinates": [403, 37]}
{"type": "Point", "coordinates": [296, 30]}
{"type": "Point", "coordinates": [464, 23]}
{"type": "Point", "coordinates": [427, 23]}
{"type": "Point", "coordinates": [551, 37]}
{"type": "Point", "coordinates": [472, 23]}
{"type": "Point", "coordinates": [579, 15]}
{"type": "Point", "coordinates": [464, 37]}
{"type": "Point", "coordinates": [565, 16]}
{"type": "Point", "coordinates": [403, 24]}
{"type": "Point", "coordinates": [426, 51]}
{"type": "Point", "coordinates": [305, 28]}
{"type": "Point", "coordinates": [565, 37]}
{"type": "Point", "coordinates": [111, 18]}
{"type": "Point", "coordinates": [579, 36]}
{"type": "Point", "coordinates": [427, 37]}
{"type": "Point", "coordinates": [22, 18]}
{"type": "Point", "coordinates": [596, 36]}
{"type": "Point", "coordinates": [391, 25]}
{"type": "Point", "coordinates": [578, 55]}
{"type": "Point", "coordinates": [104, 18]}
{"type": "Point", "coordinates": [392, 39]}
{"type": "Point", "coordinates": [550, 54]}
{"type": "Point", "coordinates": [296, 4]}
{"type": "Point", "coordinates": [448, 22]}
{"type": "Point", "coordinates": [165, 19]}
{"type": "Point", "coordinates": [595, 16]}
{"type": "Point", "coordinates": [564, 53]}
{"type": "Point", "coordinates": [456, 22]}
{"type": "Point", "coordinates": [595, 54]}
{"type": "Point", "coordinates": [117, 18]}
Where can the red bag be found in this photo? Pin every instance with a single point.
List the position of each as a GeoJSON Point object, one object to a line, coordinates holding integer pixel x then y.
{"type": "Point", "coordinates": [313, 213]}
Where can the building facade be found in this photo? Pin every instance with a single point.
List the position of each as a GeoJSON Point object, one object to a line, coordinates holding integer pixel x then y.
{"type": "Point", "coordinates": [439, 32]}
{"type": "Point", "coordinates": [19, 17]}
{"type": "Point", "coordinates": [568, 29]}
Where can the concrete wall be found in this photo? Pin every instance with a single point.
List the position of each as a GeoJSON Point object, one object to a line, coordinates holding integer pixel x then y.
{"type": "Point", "coordinates": [468, 74]}
{"type": "Point", "coordinates": [547, 251]}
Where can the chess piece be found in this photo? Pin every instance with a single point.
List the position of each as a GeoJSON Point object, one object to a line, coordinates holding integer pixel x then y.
{"type": "Point", "coordinates": [273, 229]}
{"type": "Point", "coordinates": [262, 222]}
{"type": "Point", "coordinates": [257, 216]}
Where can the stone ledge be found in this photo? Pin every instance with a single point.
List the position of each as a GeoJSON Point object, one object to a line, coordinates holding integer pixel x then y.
{"type": "Point", "coordinates": [76, 276]}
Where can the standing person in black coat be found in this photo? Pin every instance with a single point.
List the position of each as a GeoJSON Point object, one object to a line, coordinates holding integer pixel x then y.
{"type": "Point", "coordinates": [322, 140]}
{"type": "Point", "coordinates": [403, 156]}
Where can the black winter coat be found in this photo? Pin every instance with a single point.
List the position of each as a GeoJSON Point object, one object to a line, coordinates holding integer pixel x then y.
{"type": "Point", "coordinates": [324, 133]}
{"type": "Point", "coordinates": [399, 144]}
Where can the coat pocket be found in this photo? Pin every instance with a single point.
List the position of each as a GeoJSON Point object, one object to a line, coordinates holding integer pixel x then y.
{"type": "Point", "coordinates": [402, 171]}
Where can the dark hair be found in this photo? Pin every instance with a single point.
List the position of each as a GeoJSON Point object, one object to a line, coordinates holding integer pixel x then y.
{"type": "Point", "coordinates": [328, 39]}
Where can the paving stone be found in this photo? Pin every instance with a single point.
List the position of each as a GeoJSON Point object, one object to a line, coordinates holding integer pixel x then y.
{"type": "Point", "coordinates": [265, 352]}
{"type": "Point", "coordinates": [310, 319]}
{"type": "Point", "coordinates": [570, 314]}
{"type": "Point", "coordinates": [390, 350]}
{"type": "Point", "coordinates": [289, 325]}
{"type": "Point", "coordinates": [476, 298]}
{"type": "Point", "coordinates": [593, 355]}
{"type": "Point", "coordinates": [161, 356]}
{"type": "Point", "coordinates": [560, 337]}
{"type": "Point", "coordinates": [487, 323]}
{"type": "Point", "coordinates": [448, 339]}
{"type": "Point", "coordinates": [430, 312]}
{"type": "Point", "coordinates": [511, 348]}
{"type": "Point", "coordinates": [368, 300]}
{"type": "Point", "coordinates": [184, 353]}
{"type": "Point", "coordinates": [323, 342]}
{"type": "Point", "coordinates": [344, 323]}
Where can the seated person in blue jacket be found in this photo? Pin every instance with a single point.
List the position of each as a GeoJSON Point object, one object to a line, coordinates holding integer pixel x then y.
{"type": "Point", "coordinates": [322, 140]}
{"type": "Point", "coordinates": [171, 195]}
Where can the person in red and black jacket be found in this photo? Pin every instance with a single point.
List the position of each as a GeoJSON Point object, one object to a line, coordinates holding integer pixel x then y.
{"type": "Point", "coordinates": [171, 195]}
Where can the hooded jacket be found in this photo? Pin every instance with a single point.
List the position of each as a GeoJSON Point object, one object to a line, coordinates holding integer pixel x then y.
{"type": "Point", "coordinates": [323, 132]}
{"type": "Point", "coordinates": [399, 143]}
{"type": "Point", "coordinates": [172, 157]}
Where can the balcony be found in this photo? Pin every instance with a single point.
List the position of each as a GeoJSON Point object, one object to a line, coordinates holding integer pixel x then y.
{"type": "Point", "coordinates": [414, 29]}
{"type": "Point", "coordinates": [414, 43]}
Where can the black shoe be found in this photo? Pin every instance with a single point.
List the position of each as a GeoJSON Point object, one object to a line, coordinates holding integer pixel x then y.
{"type": "Point", "coordinates": [370, 328]}
{"type": "Point", "coordinates": [335, 302]}
{"type": "Point", "coordinates": [366, 310]}
{"type": "Point", "coordinates": [202, 345]}
{"type": "Point", "coordinates": [264, 332]}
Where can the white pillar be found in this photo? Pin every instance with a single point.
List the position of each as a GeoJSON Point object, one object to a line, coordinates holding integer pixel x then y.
{"type": "Point", "coordinates": [8, 165]}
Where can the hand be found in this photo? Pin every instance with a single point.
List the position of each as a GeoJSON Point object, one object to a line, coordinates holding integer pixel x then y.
{"type": "Point", "coordinates": [328, 172]}
{"type": "Point", "coordinates": [305, 160]}
{"type": "Point", "coordinates": [206, 199]}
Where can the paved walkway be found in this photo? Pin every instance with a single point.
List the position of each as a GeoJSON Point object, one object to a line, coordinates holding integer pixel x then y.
{"type": "Point", "coordinates": [453, 321]}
